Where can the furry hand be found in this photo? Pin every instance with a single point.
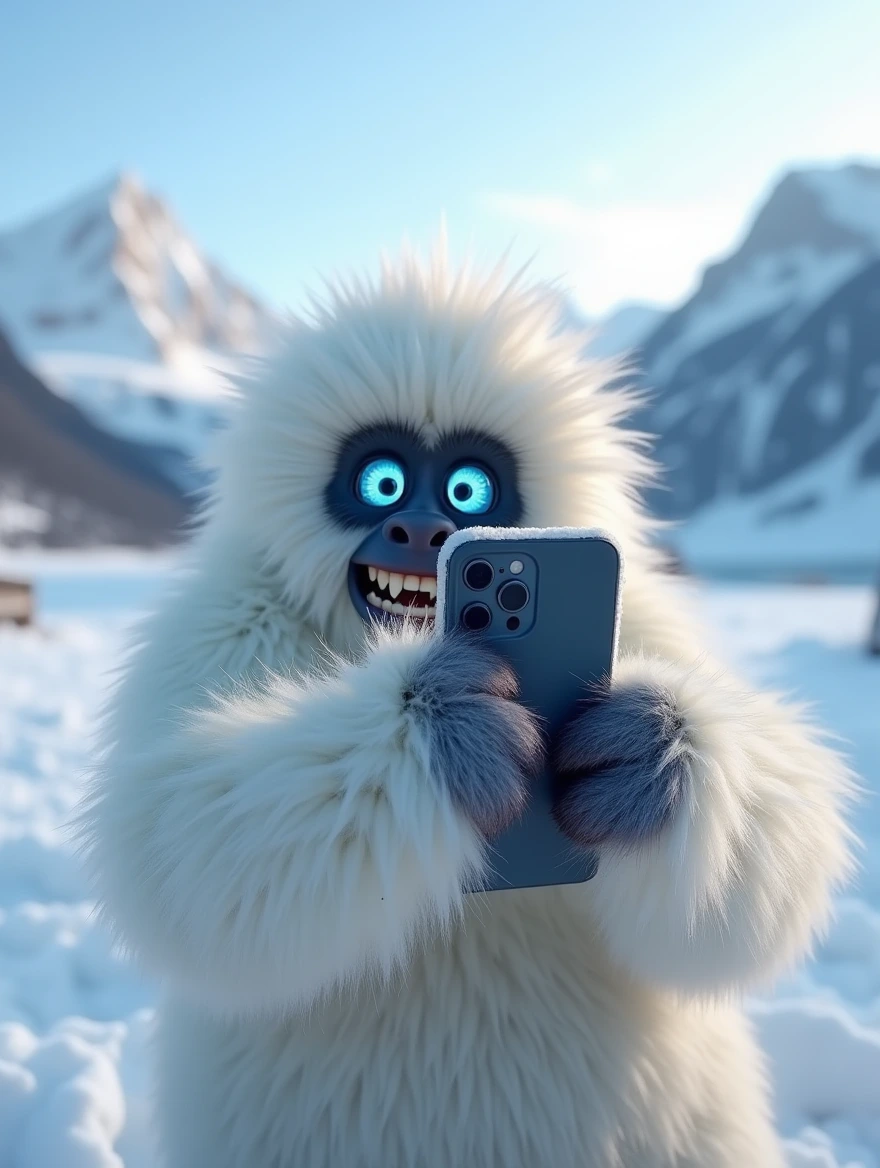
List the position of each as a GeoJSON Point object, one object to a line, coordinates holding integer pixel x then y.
{"type": "Point", "coordinates": [484, 745]}
{"type": "Point", "coordinates": [621, 765]}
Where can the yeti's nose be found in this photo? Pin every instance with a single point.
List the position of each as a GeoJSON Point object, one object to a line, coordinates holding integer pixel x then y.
{"type": "Point", "coordinates": [422, 530]}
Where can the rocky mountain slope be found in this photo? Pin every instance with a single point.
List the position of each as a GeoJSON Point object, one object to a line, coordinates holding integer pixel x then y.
{"type": "Point", "coordinates": [66, 482]}
{"type": "Point", "coordinates": [765, 384]}
{"type": "Point", "coordinates": [111, 302]}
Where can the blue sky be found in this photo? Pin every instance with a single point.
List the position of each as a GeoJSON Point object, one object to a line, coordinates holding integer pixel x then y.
{"type": "Point", "coordinates": [624, 143]}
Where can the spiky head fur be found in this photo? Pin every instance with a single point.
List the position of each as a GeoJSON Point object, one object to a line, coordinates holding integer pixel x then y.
{"type": "Point", "coordinates": [437, 351]}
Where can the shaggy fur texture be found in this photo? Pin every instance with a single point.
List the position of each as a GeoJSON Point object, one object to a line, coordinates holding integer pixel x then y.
{"type": "Point", "coordinates": [484, 746]}
{"type": "Point", "coordinates": [282, 832]}
{"type": "Point", "coordinates": [622, 766]}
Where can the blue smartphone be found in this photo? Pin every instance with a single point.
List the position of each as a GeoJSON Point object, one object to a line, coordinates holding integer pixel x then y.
{"type": "Point", "coordinates": [549, 601]}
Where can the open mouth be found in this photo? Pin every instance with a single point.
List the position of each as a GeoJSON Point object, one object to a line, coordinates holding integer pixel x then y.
{"type": "Point", "coordinates": [398, 593]}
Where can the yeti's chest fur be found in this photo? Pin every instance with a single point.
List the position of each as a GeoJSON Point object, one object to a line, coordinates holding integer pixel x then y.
{"type": "Point", "coordinates": [508, 1044]}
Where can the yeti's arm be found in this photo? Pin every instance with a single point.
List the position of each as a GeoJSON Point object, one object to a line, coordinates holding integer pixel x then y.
{"type": "Point", "coordinates": [717, 813]}
{"type": "Point", "coordinates": [294, 838]}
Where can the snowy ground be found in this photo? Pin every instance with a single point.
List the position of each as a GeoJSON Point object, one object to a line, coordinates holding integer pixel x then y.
{"type": "Point", "coordinates": [75, 1022]}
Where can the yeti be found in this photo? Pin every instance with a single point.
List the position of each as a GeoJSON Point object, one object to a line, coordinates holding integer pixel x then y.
{"type": "Point", "coordinates": [299, 779]}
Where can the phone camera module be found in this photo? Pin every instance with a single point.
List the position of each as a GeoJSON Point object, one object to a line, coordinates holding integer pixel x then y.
{"type": "Point", "coordinates": [476, 617]}
{"type": "Point", "coordinates": [513, 596]}
{"type": "Point", "coordinates": [478, 574]}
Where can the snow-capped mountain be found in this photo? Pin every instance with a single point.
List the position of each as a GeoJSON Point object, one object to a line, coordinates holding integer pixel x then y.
{"type": "Point", "coordinates": [112, 272]}
{"type": "Point", "coordinates": [65, 482]}
{"type": "Point", "coordinates": [765, 384]}
{"type": "Point", "coordinates": [114, 305]}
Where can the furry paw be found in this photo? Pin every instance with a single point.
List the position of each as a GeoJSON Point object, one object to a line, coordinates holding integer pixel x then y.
{"type": "Point", "coordinates": [484, 745]}
{"type": "Point", "coordinates": [621, 766]}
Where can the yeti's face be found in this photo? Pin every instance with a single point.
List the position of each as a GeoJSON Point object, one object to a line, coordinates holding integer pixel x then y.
{"type": "Point", "coordinates": [403, 411]}
{"type": "Point", "coordinates": [410, 497]}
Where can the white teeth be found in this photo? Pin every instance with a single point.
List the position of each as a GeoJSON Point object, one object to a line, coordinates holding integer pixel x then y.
{"type": "Point", "coordinates": [395, 582]}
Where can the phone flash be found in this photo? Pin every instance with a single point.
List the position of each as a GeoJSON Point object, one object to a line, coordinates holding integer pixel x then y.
{"type": "Point", "coordinates": [516, 566]}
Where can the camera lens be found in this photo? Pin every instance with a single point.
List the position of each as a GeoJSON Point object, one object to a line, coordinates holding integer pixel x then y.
{"type": "Point", "coordinates": [476, 617]}
{"type": "Point", "coordinates": [478, 575]}
{"type": "Point", "coordinates": [513, 596]}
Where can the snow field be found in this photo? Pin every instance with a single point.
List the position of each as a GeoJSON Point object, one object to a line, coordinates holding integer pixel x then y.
{"type": "Point", "coordinates": [75, 1019]}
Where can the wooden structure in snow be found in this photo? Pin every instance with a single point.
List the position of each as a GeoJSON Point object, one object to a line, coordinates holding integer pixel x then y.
{"type": "Point", "coordinates": [16, 602]}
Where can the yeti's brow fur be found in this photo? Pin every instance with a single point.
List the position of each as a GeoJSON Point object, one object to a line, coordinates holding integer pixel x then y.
{"type": "Point", "coordinates": [428, 437]}
{"type": "Point", "coordinates": [377, 433]}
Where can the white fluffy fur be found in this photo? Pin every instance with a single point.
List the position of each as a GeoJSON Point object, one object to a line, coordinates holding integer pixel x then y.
{"type": "Point", "coordinates": [268, 835]}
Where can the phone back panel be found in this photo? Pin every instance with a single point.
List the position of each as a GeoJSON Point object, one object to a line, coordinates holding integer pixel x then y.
{"type": "Point", "coordinates": [567, 639]}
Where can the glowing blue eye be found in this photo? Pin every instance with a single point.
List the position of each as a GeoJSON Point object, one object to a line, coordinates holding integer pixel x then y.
{"type": "Point", "coordinates": [469, 489]}
{"type": "Point", "coordinates": [381, 482]}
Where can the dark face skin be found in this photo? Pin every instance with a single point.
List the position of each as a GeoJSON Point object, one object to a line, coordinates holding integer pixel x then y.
{"type": "Point", "coordinates": [408, 499]}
